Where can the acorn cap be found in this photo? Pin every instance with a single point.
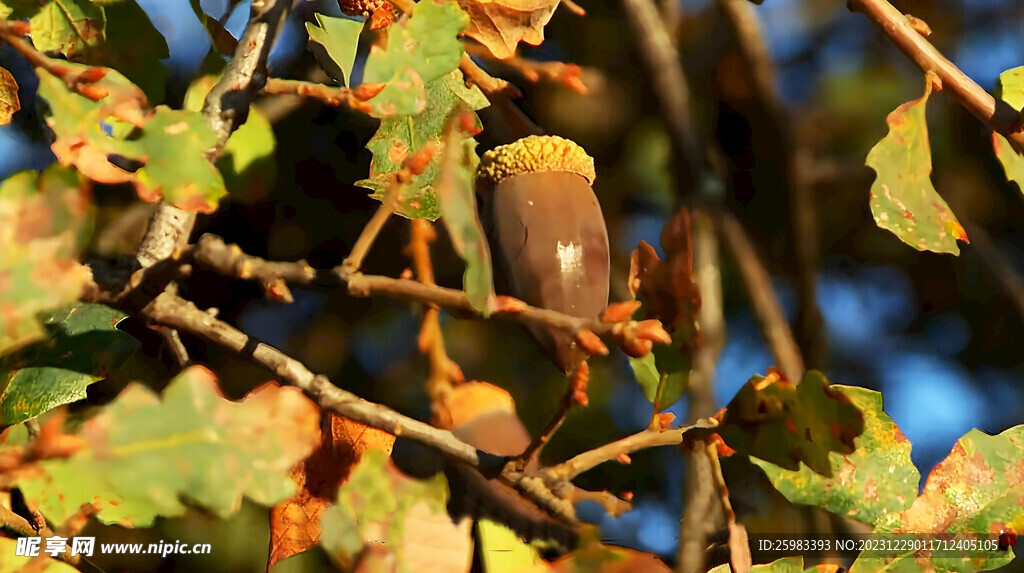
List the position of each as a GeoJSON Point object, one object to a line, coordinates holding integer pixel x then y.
{"type": "Point", "coordinates": [532, 154]}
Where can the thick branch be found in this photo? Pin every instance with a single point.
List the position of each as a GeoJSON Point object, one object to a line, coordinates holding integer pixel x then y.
{"type": "Point", "coordinates": [900, 31]}
{"type": "Point", "coordinates": [226, 107]}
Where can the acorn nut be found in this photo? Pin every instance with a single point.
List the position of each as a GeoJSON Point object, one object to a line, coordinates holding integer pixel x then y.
{"type": "Point", "coordinates": [547, 233]}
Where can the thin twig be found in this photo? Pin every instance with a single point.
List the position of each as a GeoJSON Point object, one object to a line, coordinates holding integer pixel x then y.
{"type": "Point", "coordinates": [174, 345]}
{"type": "Point", "coordinates": [669, 82]}
{"type": "Point", "coordinates": [443, 371]}
{"type": "Point", "coordinates": [740, 16]}
{"type": "Point", "coordinates": [487, 83]}
{"type": "Point", "coordinates": [589, 460]}
{"type": "Point", "coordinates": [355, 99]}
{"type": "Point", "coordinates": [21, 526]}
{"type": "Point", "coordinates": [739, 548]}
{"type": "Point", "coordinates": [534, 71]}
{"type": "Point", "coordinates": [900, 30]}
{"type": "Point", "coordinates": [766, 306]}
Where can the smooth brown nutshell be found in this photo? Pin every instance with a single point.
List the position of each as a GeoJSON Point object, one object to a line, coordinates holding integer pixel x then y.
{"type": "Point", "coordinates": [550, 240]}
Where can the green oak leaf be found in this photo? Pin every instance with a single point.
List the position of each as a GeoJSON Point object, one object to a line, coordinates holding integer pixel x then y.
{"type": "Point", "coordinates": [397, 137]}
{"type": "Point", "coordinates": [71, 27]}
{"type": "Point", "coordinates": [173, 144]}
{"type": "Point", "coordinates": [456, 197]}
{"type": "Point", "coordinates": [339, 37]}
{"type": "Point", "coordinates": [9, 102]}
{"type": "Point", "coordinates": [784, 565]}
{"type": "Point", "coordinates": [976, 490]}
{"type": "Point", "coordinates": [45, 220]}
{"type": "Point", "coordinates": [875, 480]}
{"type": "Point", "coordinates": [83, 347]}
{"type": "Point", "coordinates": [1011, 90]}
{"type": "Point", "coordinates": [502, 551]}
{"type": "Point", "coordinates": [784, 423]}
{"type": "Point", "coordinates": [247, 163]}
{"type": "Point", "coordinates": [144, 457]}
{"type": "Point", "coordinates": [903, 199]}
{"type": "Point", "coordinates": [376, 504]}
{"type": "Point", "coordinates": [420, 49]}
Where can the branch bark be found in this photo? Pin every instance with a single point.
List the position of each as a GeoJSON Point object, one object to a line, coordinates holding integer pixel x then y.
{"type": "Point", "coordinates": [226, 108]}
{"type": "Point", "coordinates": [900, 31]}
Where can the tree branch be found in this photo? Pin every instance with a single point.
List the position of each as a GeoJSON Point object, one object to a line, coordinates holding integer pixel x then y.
{"type": "Point", "coordinates": [766, 306]}
{"type": "Point", "coordinates": [226, 107]}
{"type": "Point", "coordinates": [901, 32]}
{"type": "Point", "coordinates": [568, 470]}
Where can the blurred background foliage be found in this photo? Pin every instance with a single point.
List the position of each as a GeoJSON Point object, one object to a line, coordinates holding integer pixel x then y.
{"type": "Point", "coordinates": [936, 334]}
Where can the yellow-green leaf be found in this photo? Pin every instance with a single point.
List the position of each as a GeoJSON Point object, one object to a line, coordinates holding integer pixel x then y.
{"type": "Point", "coordinates": [903, 199]}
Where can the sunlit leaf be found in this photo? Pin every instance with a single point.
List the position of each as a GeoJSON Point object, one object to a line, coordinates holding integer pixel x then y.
{"type": "Point", "coordinates": [876, 479]}
{"type": "Point", "coordinates": [70, 27]}
{"type": "Point", "coordinates": [903, 199]}
{"type": "Point", "coordinates": [380, 505]}
{"type": "Point", "coordinates": [502, 24]}
{"type": "Point", "coordinates": [502, 551]}
{"type": "Point", "coordinates": [397, 137]}
{"type": "Point", "coordinates": [784, 423]}
{"type": "Point", "coordinates": [45, 219]}
{"type": "Point", "coordinates": [420, 49]}
{"type": "Point", "coordinates": [339, 38]}
{"type": "Point", "coordinates": [12, 563]}
{"type": "Point", "coordinates": [9, 102]}
{"type": "Point", "coordinates": [784, 565]}
{"type": "Point", "coordinates": [145, 456]}
{"type": "Point", "coordinates": [84, 345]}
{"type": "Point", "coordinates": [592, 556]}
{"type": "Point", "coordinates": [975, 492]}
{"type": "Point", "coordinates": [1011, 90]}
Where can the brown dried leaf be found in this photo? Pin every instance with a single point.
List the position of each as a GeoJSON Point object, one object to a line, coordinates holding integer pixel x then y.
{"type": "Point", "coordinates": [9, 102]}
{"type": "Point", "coordinates": [667, 287]}
{"type": "Point", "coordinates": [502, 24]}
{"type": "Point", "coordinates": [295, 523]}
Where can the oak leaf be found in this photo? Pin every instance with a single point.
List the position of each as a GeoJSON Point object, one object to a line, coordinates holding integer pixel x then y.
{"type": "Point", "coordinates": [295, 523]}
{"type": "Point", "coordinates": [502, 24]}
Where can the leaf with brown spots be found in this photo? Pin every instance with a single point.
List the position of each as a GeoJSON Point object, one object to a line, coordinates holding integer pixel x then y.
{"type": "Point", "coordinates": [145, 456]}
{"type": "Point", "coordinates": [9, 102]}
{"type": "Point", "coordinates": [397, 137]}
{"type": "Point", "coordinates": [977, 492]}
{"type": "Point", "coordinates": [295, 523]}
{"type": "Point", "coordinates": [502, 24]}
{"type": "Point", "coordinates": [45, 219]}
{"type": "Point", "coordinates": [903, 199]}
{"type": "Point", "coordinates": [784, 423]}
{"type": "Point", "coordinates": [379, 504]}
{"type": "Point", "coordinates": [875, 480]}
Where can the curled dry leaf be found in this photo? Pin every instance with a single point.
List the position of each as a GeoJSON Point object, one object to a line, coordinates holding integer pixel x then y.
{"type": "Point", "coordinates": [502, 24]}
{"type": "Point", "coordinates": [9, 102]}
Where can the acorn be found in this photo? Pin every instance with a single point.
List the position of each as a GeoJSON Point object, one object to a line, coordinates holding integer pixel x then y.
{"type": "Point", "coordinates": [547, 233]}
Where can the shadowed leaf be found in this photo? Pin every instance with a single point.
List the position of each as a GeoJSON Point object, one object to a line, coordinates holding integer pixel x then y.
{"type": "Point", "coordinates": [84, 346]}
{"type": "Point", "coordinates": [592, 556]}
{"type": "Point", "coordinates": [339, 38]}
{"type": "Point", "coordinates": [144, 456]}
{"type": "Point", "coordinates": [670, 295]}
{"type": "Point", "coordinates": [45, 219]}
{"type": "Point", "coordinates": [903, 199]}
{"type": "Point", "coordinates": [785, 424]}
{"type": "Point", "coordinates": [457, 201]}
{"type": "Point", "coordinates": [133, 46]}
{"type": "Point", "coordinates": [380, 505]}
{"type": "Point", "coordinates": [875, 480]}
{"type": "Point", "coordinates": [295, 523]}
{"type": "Point", "coordinates": [9, 102]}
{"type": "Point", "coordinates": [976, 491]}
{"type": "Point", "coordinates": [397, 137]}
{"type": "Point", "coordinates": [70, 27]}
